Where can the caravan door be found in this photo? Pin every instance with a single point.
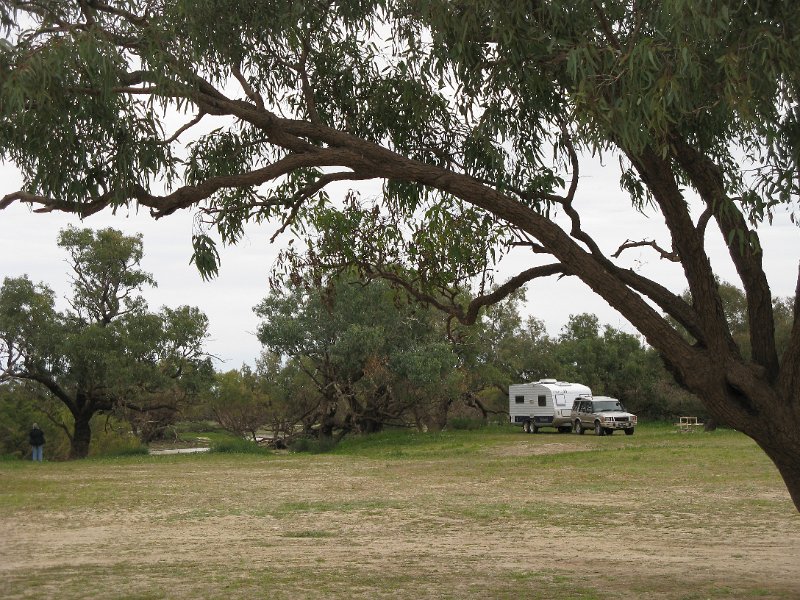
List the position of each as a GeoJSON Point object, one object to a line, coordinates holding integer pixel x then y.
{"type": "Point", "coordinates": [562, 410]}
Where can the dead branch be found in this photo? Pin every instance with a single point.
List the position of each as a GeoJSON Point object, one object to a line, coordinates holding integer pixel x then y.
{"type": "Point", "coordinates": [670, 256]}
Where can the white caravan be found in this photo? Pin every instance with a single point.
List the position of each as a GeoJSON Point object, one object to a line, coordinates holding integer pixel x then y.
{"type": "Point", "coordinates": [545, 403]}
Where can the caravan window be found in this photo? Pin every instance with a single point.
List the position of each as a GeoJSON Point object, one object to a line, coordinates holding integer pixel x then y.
{"type": "Point", "coordinates": [542, 400]}
{"type": "Point", "coordinates": [519, 399]}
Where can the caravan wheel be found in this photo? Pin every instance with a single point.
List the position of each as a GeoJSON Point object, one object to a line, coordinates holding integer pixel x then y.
{"type": "Point", "coordinates": [526, 427]}
{"type": "Point", "coordinates": [534, 428]}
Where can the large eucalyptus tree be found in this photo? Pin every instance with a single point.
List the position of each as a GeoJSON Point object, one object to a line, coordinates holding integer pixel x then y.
{"type": "Point", "coordinates": [374, 359]}
{"type": "Point", "coordinates": [473, 113]}
{"type": "Point", "coordinates": [107, 351]}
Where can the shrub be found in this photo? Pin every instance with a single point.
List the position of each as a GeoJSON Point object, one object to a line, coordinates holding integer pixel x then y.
{"type": "Point", "coordinates": [312, 445]}
{"type": "Point", "coordinates": [238, 446]}
{"type": "Point", "coordinates": [197, 427]}
{"type": "Point", "coordinates": [112, 437]}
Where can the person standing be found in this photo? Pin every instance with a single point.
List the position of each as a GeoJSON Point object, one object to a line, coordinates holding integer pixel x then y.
{"type": "Point", "coordinates": [36, 438]}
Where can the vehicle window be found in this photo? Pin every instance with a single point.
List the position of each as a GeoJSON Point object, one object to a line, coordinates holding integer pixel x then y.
{"type": "Point", "coordinates": [519, 399]}
{"type": "Point", "coordinates": [607, 405]}
{"type": "Point", "coordinates": [542, 400]}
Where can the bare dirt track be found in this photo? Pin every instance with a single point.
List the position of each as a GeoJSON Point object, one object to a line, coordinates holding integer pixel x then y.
{"type": "Point", "coordinates": [516, 520]}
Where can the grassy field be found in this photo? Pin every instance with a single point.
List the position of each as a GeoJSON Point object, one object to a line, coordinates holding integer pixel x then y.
{"type": "Point", "coordinates": [491, 513]}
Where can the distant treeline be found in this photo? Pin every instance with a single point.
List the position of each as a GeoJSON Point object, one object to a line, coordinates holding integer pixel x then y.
{"type": "Point", "coordinates": [351, 357]}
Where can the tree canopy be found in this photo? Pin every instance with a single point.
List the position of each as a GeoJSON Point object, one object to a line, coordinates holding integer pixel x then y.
{"type": "Point", "coordinates": [107, 351]}
{"type": "Point", "coordinates": [356, 356]}
{"type": "Point", "coordinates": [474, 115]}
{"type": "Point", "coordinates": [374, 359]}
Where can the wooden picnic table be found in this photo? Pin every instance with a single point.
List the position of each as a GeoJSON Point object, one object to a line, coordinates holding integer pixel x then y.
{"type": "Point", "coordinates": [687, 424]}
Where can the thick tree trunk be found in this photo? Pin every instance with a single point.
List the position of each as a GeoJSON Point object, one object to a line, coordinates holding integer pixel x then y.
{"type": "Point", "coordinates": [737, 394]}
{"type": "Point", "coordinates": [327, 418]}
{"type": "Point", "coordinates": [325, 431]}
{"type": "Point", "coordinates": [437, 417]}
{"type": "Point", "coordinates": [777, 432]}
{"type": "Point", "coordinates": [81, 438]}
{"type": "Point", "coordinates": [764, 414]}
{"type": "Point", "coordinates": [369, 424]}
{"type": "Point", "coordinates": [783, 447]}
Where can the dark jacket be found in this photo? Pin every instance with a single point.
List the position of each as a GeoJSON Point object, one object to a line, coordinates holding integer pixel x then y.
{"type": "Point", "coordinates": [36, 437]}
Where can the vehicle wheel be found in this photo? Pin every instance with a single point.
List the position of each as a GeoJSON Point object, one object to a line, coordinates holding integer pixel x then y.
{"type": "Point", "coordinates": [579, 428]}
{"type": "Point", "coordinates": [629, 431]}
{"type": "Point", "coordinates": [598, 430]}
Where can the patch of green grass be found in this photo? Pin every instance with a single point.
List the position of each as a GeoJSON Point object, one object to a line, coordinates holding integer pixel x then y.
{"type": "Point", "coordinates": [213, 578]}
{"type": "Point", "coordinates": [312, 446]}
{"type": "Point", "coordinates": [458, 423]}
{"type": "Point", "coordinates": [405, 443]}
{"type": "Point", "coordinates": [132, 450]}
{"type": "Point", "coordinates": [400, 514]}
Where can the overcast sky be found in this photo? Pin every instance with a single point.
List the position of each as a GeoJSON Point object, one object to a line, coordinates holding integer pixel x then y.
{"type": "Point", "coordinates": [28, 246]}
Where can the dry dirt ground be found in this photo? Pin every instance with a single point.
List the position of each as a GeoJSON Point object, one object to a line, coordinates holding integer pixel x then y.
{"type": "Point", "coordinates": [332, 527]}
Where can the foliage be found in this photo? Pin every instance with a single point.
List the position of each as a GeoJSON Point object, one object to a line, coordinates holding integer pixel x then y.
{"type": "Point", "coordinates": [500, 349]}
{"type": "Point", "coordinates": [371, 356]}
{"type": "Point", "coordinates": [475, 117]}
{"type": "Point", "coordinates": [332, 333]}
{"type": "Point", "coordinates": [617, 364]}
{"type": "Point", "coordinates": [106, 352]}
{"type": "Point", "coordinates": [239, 402]}
{"type": "Point", "coordinates": [18, 412]}
{"type": "Point", "coordinates": [113, 437]}
{"type": "Point", "coordinates": [23, 403]}
{"type": "Point", "coordinates": [347, 332]}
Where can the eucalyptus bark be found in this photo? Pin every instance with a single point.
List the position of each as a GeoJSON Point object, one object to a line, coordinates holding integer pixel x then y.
{"type": "Point", "coordinates": [81, 436]}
